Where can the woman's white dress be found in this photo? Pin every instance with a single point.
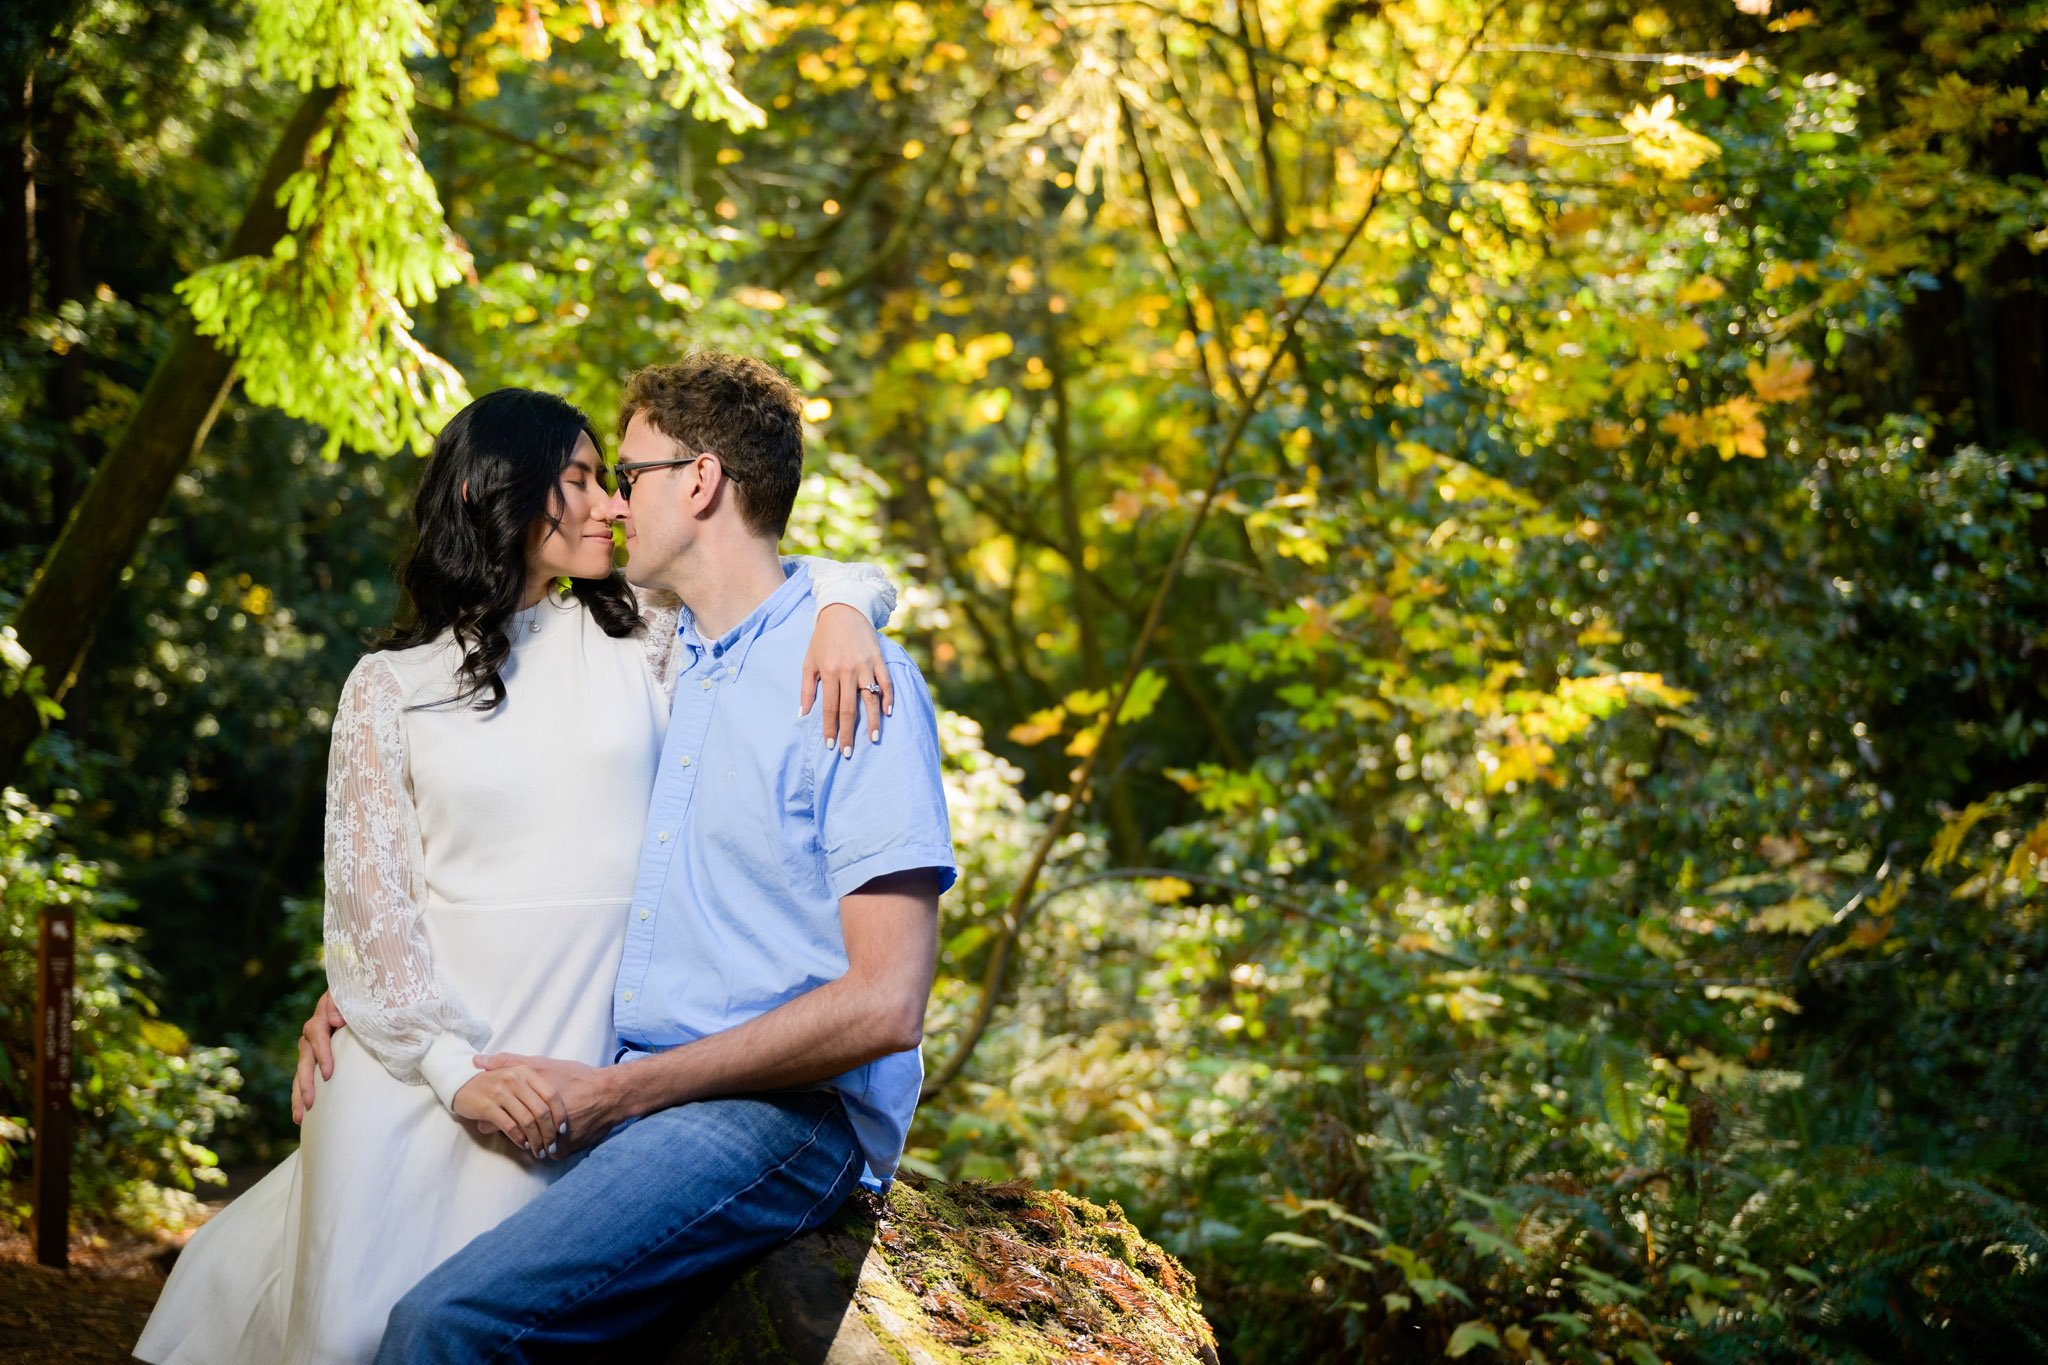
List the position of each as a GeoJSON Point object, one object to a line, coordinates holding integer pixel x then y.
{"type": "Point", "coordinates": [479, 871]}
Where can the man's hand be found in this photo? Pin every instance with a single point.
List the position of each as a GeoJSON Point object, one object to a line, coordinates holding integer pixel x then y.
{"type": "Point", "coordinates": [589, 1101]}
{"type": "Point", "coordinates": [843, 669]}
{"type": "Point", "coordinates": [519, 1102]}
{"type": "Point", "coordinates": [316, 1049]}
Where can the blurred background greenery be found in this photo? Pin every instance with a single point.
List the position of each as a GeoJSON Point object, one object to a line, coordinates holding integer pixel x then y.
{"type": "Point", "coordinates": [1552, 496]}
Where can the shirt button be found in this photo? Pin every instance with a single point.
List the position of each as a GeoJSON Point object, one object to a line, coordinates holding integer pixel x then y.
{"type": "Point", "coordinates": [629, 995]}
{"type": "Point", "coordinates": [706, 684]}
{"type": "Point", "coordinates": [645, 912]}
{"type": "Point", "coordinates": [686, 760]}
{"type": "Point", "coordinates": [663, 836]}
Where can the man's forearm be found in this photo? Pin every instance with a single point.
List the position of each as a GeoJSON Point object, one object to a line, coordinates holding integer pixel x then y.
{"type": "Point", "coordinates": [820, 1034]}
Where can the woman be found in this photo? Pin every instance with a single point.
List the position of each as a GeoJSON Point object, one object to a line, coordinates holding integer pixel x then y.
{"type": "Point", "coordinates": [490, 769]}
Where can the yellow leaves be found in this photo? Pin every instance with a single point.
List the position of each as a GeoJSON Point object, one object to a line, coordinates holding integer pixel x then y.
{"type": "Point", "coordinates": [1664, 144]}
{"type": "Point", "coordinates": [165, 1037]}
{"type": "Point", "coordinates": [969, 362]}
{"type": "Point", "coordinates": [1736, 427]}
{"type": "Point", "coordinates": [752, 296]}
{"type": "Point", "coordinates": [1799, 915]}
{"type": "Point", "coordinates": [1087, 703]}
{"type": "Point", "coordinates": [1797, 19]}
{"type": "Point", "coordinates": [2030, 855]}
{"type": "Point", "coordinates": [1167, 890]}
{"type": "Point", "coordinates": [1948, 842]}
{"type": "Point", "coordinates": [1702, 290]}
{"type": "Point", "coordinates": [1783, 377]}
{"type": "Point", "coordinates": [817, 409]}
{"type": "Point", "coordinates": [1778, 274]}
{"type": "Point", "coordinates": [1959, 107]}
{"type": "Point", "coordinates": [1041, 726]}
{"type": "Point", "coordinates": [1299, 283]}
{"type": "Point", "coordinates": [1732, 428]}
{"type": "Point", "coordinates": [1600, 633]}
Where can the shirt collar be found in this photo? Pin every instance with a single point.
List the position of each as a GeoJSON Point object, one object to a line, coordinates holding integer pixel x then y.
{"type": "Point", "coordinates": [731, 648]}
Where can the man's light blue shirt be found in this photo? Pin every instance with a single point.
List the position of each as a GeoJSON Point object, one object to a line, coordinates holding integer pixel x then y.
{"type": "Point", "coordinates": [755, 830]}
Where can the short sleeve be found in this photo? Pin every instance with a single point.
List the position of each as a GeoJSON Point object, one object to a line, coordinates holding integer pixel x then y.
{"type": "Point", "coordinates": [860, 585]}
{"type": "Point", "coordinates": [884, 809]}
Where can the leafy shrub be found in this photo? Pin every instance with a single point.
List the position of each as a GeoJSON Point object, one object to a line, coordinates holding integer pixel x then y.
{"type": "Point", "coordinates": [146, 1099]}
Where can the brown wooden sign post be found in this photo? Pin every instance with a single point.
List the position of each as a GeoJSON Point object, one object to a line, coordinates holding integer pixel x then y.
{"type": "Point", "coordinates": [50, 1225]}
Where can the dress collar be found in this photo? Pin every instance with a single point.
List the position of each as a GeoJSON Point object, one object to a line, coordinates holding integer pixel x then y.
{"type": "Point", "coordinates": [544, 617]}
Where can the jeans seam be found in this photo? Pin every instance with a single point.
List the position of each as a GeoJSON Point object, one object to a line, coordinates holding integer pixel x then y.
{"type": "Point", "coordinates": [810, 1140]}
{"type": "Point", "coordinates": [805, 1225]}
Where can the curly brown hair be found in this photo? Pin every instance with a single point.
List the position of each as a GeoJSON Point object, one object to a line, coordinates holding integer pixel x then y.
{"type": "Point", "coordinates": [739, 408]}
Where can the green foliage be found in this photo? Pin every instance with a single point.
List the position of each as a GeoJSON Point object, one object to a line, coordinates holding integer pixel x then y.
{"type": "Point", "coordinates": [146, 1100]}
{"type": "Point", "coordinates": [1541, 899]}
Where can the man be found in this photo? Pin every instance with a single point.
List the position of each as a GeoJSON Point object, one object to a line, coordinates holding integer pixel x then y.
{"type": "Point", "coordinates": [770, 997]}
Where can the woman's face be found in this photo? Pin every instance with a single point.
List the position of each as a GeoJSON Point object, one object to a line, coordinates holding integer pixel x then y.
{"type": "Point", "coordinates": [580, 546]}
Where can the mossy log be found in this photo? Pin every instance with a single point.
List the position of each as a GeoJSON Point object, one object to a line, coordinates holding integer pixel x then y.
{"type": "Point", "coordinates": [950, 1273]}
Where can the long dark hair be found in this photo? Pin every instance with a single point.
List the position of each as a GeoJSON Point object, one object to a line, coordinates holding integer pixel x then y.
{"type": "Point", "coordinates": [496, 470]}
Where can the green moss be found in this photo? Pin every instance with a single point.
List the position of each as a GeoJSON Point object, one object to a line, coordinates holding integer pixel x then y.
{"type": "Point", "coordinates": [1007, 1273]}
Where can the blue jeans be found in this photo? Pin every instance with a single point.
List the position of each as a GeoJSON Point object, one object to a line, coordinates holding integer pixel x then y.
{"type": "Point", "coordinates": [601, 1251]}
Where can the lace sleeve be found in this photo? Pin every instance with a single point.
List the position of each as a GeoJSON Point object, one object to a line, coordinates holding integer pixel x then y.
{"type": "Point", "coordinates": [860, 585]}
{"type": "Point", "coordinates": [379, 966]}
{"type": "Point", "coordinates": [658, 612]}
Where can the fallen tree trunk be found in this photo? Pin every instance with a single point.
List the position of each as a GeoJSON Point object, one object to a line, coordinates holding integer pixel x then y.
{"type": "Point", "coordinates": [947, 1273]}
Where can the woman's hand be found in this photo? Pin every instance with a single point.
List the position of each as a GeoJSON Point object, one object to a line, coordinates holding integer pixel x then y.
{"type": "Point", "coordinates": [316, 1053]}
{"type": "Point", "coordinates": [843, 668]}
{"type": "Point", "coordinates": [518, 1102]}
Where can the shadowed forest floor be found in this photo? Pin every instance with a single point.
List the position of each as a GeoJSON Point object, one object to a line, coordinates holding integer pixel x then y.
{"type": "Point", "coordinates": [91, 1312]}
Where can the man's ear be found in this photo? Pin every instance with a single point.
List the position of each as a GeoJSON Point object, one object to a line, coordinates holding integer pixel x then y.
{"type": "Point", "coordinates": [705, 485]}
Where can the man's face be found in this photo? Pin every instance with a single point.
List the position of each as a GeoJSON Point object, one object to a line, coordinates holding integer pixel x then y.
{"type": "Point", "coordinates": [659, 527]}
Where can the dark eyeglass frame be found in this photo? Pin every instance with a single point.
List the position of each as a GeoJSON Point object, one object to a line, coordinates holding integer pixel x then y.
{"type": "Point", "coordinates": [624, 474]}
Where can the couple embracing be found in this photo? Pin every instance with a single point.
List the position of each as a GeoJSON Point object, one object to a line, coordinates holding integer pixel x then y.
{"type": "Point", "coordinates": [632, 964]}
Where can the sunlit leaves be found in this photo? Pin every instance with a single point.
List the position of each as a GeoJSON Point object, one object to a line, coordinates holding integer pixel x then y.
{"type": "Point", "coordinates": [1730, 429]}
{"type": "Point", "coordinates": [1782, 377]}
{"type": "Point", "coordinates": [1661, 142]}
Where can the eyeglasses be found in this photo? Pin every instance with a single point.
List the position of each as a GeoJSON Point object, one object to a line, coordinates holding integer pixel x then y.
{"type": "Point", "coordinates": [624, 474]}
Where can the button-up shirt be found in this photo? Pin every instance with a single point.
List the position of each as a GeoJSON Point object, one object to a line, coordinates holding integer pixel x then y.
{"type": "Point", "coordinates": [755, 831]}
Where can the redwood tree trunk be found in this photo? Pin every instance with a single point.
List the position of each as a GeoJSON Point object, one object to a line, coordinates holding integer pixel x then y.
{"type": "Point", "coordinates": [106, 528]}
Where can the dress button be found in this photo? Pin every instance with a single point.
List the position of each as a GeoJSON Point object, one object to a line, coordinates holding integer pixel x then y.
{"type": "Point", "coordinates": [629, 995]}
{"type": "Point", "coordinates": [663, 836]}
{"type": "Point", "coordinates": [644, 912]}
{"type": "Point", "coordinates": [686, 760]}
{"type": "Point", "coordinates": [706, 684]}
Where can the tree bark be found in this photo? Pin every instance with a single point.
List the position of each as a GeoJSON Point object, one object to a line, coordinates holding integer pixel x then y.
{"type": "Point", "coordinates": [110, 522]}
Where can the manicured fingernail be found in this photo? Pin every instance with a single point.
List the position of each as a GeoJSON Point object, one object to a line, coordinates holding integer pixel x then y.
{"type": "Point", "coordinates": [889, 710]}
{"type": "Point", "coordinates": [551, 1149]}
{"type": "Point", "coordinates": [847, 752]}
{"type": "Point", "coordinates": [874, 736]}
{"type": "Point", "coordinates": [562, 1127]}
